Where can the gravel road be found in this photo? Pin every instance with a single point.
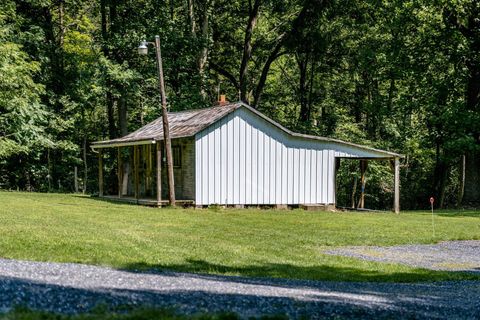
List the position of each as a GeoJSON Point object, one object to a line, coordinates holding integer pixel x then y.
{"type": "Point", "coordinates": [447, 255]}
{"type": "Point", "coordinates": [71, 288]}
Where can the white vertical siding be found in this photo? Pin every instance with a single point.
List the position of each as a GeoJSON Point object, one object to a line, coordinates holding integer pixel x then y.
{"type": "Point", "coordinates": [235, 160]}
{"type": "Point", "coordinates": [313, 180]}
{"type": "Point", "coordinates": [243, 159]}
{"type": "Point", "coordinates": [248, 163]}
{"type": "Point", "coordinates": [255, 181]}
{"type": "Point", "coordinates": [223, 160]}
{"type": "Point", "coordinates": [284, 174]}
{"type": "Point", "coordinates": [295, 165]}
{"type": "Point", "coordinates": [278, 172]}
{"type": "Point", "coordinates": [301, 175]}
{"type": "Point", "coordinates": [230, 160]}
{"type": "Point", "coordinates": [198, 169]}
{"type": "Point", "coordinates": [289, 186]}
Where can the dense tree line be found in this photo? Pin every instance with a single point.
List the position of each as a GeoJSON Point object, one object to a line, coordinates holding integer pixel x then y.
{"type": "Point", "coordinates": [394, 74]}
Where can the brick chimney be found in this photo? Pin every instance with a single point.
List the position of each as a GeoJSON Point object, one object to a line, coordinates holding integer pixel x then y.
{"type": "Point", "coordinates": [222, 100]}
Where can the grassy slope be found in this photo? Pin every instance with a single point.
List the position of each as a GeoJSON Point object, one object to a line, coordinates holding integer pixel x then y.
{"type": "Point", "coordinates": [72, 228]}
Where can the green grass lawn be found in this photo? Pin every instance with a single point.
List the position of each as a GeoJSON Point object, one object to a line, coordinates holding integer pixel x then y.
{"type": "Point", "coordinates": [74, 228]}
{"type": "Point", "coordinates": [122, 314]}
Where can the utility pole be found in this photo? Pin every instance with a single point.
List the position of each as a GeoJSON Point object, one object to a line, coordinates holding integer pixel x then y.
{"type": "Point", "coordinates": [166, 127]}
{"type": "Point", "coordinates": [143, 49]}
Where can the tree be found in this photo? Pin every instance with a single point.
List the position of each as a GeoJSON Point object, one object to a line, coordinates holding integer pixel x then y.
{"type": "Point", "coordinates": [22, 116]}
{"type": "Point", "coordinates": [464, 17]}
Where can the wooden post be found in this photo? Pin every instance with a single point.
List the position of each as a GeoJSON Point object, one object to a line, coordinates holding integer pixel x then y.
{"type": "Point", "coordinates": [120, 172]}
{"type": "Point", "coordinates": [148, 172]}
{"type": "Point", "coordinates": [363, 168]}
{"type": "Point", "coordinates": [159, 174]}
{"type": "Point", "coordinates": [337, 167]}
{"type": "Point", "coordinates": [100, 173]}
{"type": "Point", "coordinates": [135, 170]}
{"type": "Point", "coordinates": [396, 197]}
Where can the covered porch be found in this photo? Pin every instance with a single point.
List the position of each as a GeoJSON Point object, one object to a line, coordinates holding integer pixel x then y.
{"type": "Point", "coordinates": [135, 172]}
{"type": "Point", "coordinates": [357, 199]}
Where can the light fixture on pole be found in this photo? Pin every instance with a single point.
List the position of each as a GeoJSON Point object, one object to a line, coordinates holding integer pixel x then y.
{"type": "Point", "coordinates": [143, 50]}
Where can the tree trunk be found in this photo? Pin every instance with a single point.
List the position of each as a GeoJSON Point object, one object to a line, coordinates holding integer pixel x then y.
{"type": "Point", "coordinates": [103, 13]}
{"type": "Point", "coordinates": [75, 178]}
{"type": "Point", "coordinates": [247, 49]}
{"type": "Point", "coordinates": [357, 105]}
{"type": "Point", "coordinates": [61, 23]}
{"type": "Point", "coordinates": [266, 68]}
{"type": "Point", "coordinates": [85, 166]}
{"type": "Point", "coordinates": [106, 52]}
{"type": "Point", "coordinates": [354, 190]}
{"type": "Point", "coordinates": [191, 17]}
{"type": "Point", "coordinates": [461, 180]}
{"type": "Point", "coordinates": [56, 81]}
{"type": "Point", "coordinates": [443, 190]}
{"type": "Point", "coordinates": [302, 61]}
{"type": "Point", "coordinates": [49, 171]}
{"type": "Point", "coordinates": [363, 168]}
{"type": "Point", "coordinates": [471, 196]}
{"type": "Point", "coordinates": [203, 54]}
{"type": "Point", "coordinates": [112, 129]}
{"type": "Point", "coordinates": [354, 184]}
{"type": "Point", "coordinates": [439, 177]}
{"type": "Point", "coordinates": [391, 91]}
{"type": "Point", "coordinates": [122, 115]}
{"type": "Point", "coordinates": [310, 95]}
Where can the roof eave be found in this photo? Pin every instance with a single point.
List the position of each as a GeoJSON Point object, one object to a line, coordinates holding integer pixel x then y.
{"type": "Point", "coordinates": [114, 144]}
{"type": "Point", "coordinates": [388, 154]}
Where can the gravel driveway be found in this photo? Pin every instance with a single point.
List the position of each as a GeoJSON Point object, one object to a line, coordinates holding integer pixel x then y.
{"type": "Point", "coordinates": [448, 255]}
{"type": "Point", "coordinates": [70, 288]}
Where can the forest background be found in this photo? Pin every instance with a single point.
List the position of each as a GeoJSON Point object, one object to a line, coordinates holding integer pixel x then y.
{"type": "Point", "coordinates": [401, 75]}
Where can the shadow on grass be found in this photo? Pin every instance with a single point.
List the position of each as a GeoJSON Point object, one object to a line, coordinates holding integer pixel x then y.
{"type": "Point", "coordinates": [107, 200]}
{"type": "Point", "coordinates": [321, 272]}
{"type": "Point", "coordinates": [132, 202]}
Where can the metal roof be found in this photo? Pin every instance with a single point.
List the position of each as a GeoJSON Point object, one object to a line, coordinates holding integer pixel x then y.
{"type": "Point", "coordinates": [182, 124]}
{"type": "Point", "coordinates": [188, 123]}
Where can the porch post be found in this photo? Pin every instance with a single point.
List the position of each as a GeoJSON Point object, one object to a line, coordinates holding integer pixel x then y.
{"type": "Point", "coordinates": [120, 172]}
{"type": "Point", "coordinates": [159, 174]}
{"type": "Point", "coordinates": [396, 198]}
{"type": "Point", "coordinates": [148, 182]}
{"type": "Point", "coordinates": [363, 168]}
{"type": "Point", "coordinates": [337, 167]}
{"type": "Point", "coordinates": [100, 173]}
{"type": "Point", "coordinates": [135, 170]}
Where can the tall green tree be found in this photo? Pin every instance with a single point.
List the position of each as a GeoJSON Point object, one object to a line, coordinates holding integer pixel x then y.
{"type": "Point", "coordinates": [22, 116]}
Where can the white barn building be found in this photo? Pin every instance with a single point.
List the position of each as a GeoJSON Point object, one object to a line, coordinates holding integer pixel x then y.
{"type": "Point", "coordinates": [232, 155]}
